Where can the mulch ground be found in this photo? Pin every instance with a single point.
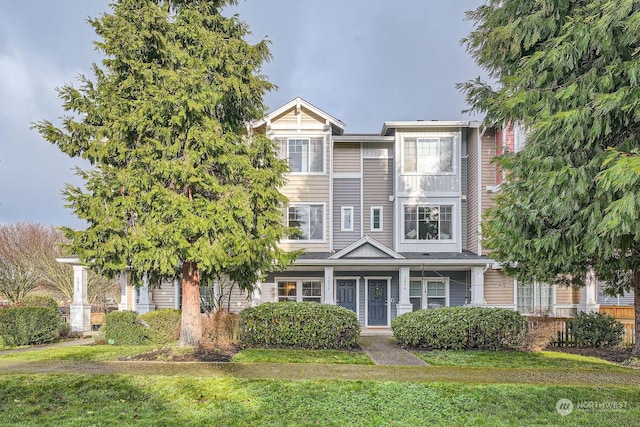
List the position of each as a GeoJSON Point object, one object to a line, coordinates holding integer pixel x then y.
{"type": "Point", "coordinates": [615, 354]}
{"type": "Point", "coordinates": [200, 355]}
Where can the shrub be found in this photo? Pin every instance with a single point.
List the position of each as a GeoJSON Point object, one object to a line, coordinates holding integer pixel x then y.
{"type": "Point", "coordinates": [163, 326]}
{"type": "Point", "coordinates": [64, 329]}
{"type": "Point", "coordinates": [124, 328]}
{"type": "Point", "coordinates": [220, 329]}
{"type": "Point", "coordinates": [540, 333]}
{"type": "Point", "coordinates": [37, 301]}
{"type": "Point", "coordinates": [299, 325]}
{"type": "Point", "coordinates": [28, 325]}
{"type": "Point", "coordinates": [459, 328]}
{"type": "Point", "coordinates": [595, 330]}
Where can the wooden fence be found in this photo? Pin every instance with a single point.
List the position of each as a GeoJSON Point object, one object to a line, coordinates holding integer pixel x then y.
{"type": "Point", "coordinates": [618, 311]}
{"type": "Point", "coordinates": [563, 336]}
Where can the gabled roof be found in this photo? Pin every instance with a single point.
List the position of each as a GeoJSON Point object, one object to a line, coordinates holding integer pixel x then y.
{"type": "Point", "coordinates": [367, 241]}
{"type": "Point", "coordinates": [298, 102]}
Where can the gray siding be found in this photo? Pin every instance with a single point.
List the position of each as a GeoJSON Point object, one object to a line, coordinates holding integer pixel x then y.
{"type": "Point", "coordinates": [346, 192]}
{"type": "Point", "coordinates": [378, 186]}
{"type": "Point", "coordinates": [458, 284]}
{"type": "Point", "coordinates": [626, 299]}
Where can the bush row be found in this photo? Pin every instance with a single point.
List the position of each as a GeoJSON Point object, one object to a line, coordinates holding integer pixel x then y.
{"type": "Point", "coordinates": [459, 328]}
{"type": "Point", "coordinates": [128, 328]}
{"type": "Point", "coordinates": [29, 325]}
{"type": "Point", "coordinates": [299, 325]}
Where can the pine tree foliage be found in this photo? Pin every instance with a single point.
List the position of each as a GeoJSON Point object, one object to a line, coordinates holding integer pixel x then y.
{"type": "Point", "coordinates": [177, 186]}
{"type": "Point", "coordinates": [569, 71]}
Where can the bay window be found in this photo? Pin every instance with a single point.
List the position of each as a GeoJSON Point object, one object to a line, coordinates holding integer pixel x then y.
{"type": "Point", "coordinates": [428, 155]}
{"type": "Point", "coordinates": [428, 222]}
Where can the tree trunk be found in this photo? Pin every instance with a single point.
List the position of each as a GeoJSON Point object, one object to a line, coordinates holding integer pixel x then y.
{"type": "Point", "coordinates": [636, 308]}
{"type": "Point", "coordinates": [191, 325]}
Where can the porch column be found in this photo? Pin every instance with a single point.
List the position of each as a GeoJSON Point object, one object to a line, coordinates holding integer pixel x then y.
{"type": "Point", "coordinates": [589, 294]}
{"type": "Point", "coordinates": [477, 286]}
{"type": "Point", "coordinates": [145, 304]}
{"type": "Point", "coordinates": [80, 309]}
{"type": "Point", "coordinates": [177, 294]}
{"type": "Point", "coordinates": [404, 304]}
{"type": "Point", "coordinates": [256, 295]}
{"type": "Point", "coordinates": [123, 291]}
{"type": "Point", "coordinates": [329, 296]}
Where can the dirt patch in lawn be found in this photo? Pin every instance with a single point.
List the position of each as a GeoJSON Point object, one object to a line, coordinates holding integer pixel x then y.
{"type": "Point", "coordinates": [614, 354]}
{"type": "Point", "coordinates": [202, 354]}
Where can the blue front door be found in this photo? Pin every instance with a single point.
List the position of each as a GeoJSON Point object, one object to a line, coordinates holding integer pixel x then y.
{"type": "Point", "coordinates": [377, 303]}
{"type": "Point", "coordinates": [346, 294]}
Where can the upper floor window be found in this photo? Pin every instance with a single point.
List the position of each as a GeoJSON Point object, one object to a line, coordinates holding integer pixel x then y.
{"type": "Point", "coordinates": [309, 219]}
{"type": "Point", "coordinates": [376, 218]}
{"type": "Point", "coordinates": [428, 155]}
{"type": "Point", "coordinates": [428, 222]}
{"type": "Point", "coordinates": [306, 155]}
{"type": "Point", "coordinates": [346, 222]}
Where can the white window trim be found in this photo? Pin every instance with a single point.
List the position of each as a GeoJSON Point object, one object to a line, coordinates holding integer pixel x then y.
{"type": "Point", "coordinates": [299, 281]}
{"type": "Point", "coordinates": [343, 209]}
{"type": "Point", "coordinates": [373, 208]}
{"type": "Point", "coordinates": [435, 279]}
{"type": "Point", "coordinates": [324, 153]}
{"type": "Point", "coordinates": [324, 222]}
{"type": "Point", "coordinates": [452, 239]}
{"type": "Point", "coordinates": [454, 161]}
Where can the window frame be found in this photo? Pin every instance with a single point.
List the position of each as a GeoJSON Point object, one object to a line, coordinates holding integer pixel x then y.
{"type": "Point", "coordinates": [299, 288]}
{"type": "Point", "coordinates": [417, 139]}
{"type": "Point", "coordinates": [372, 210]}
{"type": "Point", "coordinates": [308, 205]}
{"type": "Point", "coordinates": [417, 238]}
{"type": "Point", "coordinates": [309, 139]}
{"type": "Point", "coordinates": [424, 291]}
{"type": "Point", "coordinates": [343, 210]}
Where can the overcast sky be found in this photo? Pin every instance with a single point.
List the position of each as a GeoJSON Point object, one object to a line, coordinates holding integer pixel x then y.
{"type": "Point", "coordinates": [362, 61]}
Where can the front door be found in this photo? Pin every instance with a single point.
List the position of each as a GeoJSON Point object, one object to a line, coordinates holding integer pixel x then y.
{"type": "Point", "coordinates": [346, 294]}
{"type": "Point", "coordinates": [377, 303]}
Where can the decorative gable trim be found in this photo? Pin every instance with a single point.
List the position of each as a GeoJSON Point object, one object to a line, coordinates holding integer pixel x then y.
{"type": "Point", "coordinates": [297, 104]}
{"type": "Point", "coordinates": [366, 240]}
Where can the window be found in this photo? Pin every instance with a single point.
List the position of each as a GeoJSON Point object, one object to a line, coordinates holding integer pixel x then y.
{"type": "Point", "coordinates": [428, 155]}
{"type": "Point", "coordinates": [346, 222]}
{"type": "Point", "coordinates": [428, 222]}
{"type": "Point", "coordinates": [534, 297]}
{"type": "Point", "coordinates": [415, 294]}
{"type": "Point", "coordinates": [300, 290]}
{"type": "Point", "coordinates": [306, 155]}
{"type": "Point", "coordinates": [376, 218]}
{"type": "Point", "coordinates": [309, 219]}
{"type": "Point", "coordinates": [436, 294]}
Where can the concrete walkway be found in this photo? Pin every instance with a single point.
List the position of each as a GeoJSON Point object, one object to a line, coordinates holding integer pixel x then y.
{"type": "Point", "coordinates": [384, 350]}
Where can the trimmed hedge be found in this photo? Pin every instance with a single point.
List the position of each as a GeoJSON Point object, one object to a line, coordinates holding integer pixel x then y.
{"type": "Point", "coordinates": [124, 328]}
{"type": "Point", "coordinates": [163, 326]}
{"type": "Point", "coordinates": [460, 328]}
{"type": "Point", "coordinates": [299, 325]}
{"type": "Point", "coordinates": [37, 301]}
{"type": "Point", "coordinates": [28, 325]}
{"type": "Point", "coordinates": [595, 330]}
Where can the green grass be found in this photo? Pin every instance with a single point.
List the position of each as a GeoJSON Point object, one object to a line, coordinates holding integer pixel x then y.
{"type": "Point", "coordinates": [514, 359]}
{"type": "Point", "coordinates": [302, 356]}
{"type": "Point", "coordinates": [79, 353]}
{"type": "Point", "coordinates": [106, 400]}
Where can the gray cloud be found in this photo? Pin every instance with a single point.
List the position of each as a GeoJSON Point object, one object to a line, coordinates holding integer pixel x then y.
{"type": "Point", "coordinates": [362, 61]}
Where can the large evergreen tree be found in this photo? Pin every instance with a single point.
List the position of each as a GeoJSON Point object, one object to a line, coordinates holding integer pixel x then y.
{"type": "Point", "coordinates": [177, 188]}
{"type": "Point", "coordinates": [569, 71]}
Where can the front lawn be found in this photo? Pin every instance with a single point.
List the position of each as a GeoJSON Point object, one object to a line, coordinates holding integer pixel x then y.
{"type": "Point", "coordinates": [514, 359]}
{"type": "Point", "coordinates": [302, 356]}
{"type": "Point", "coordinates": [106, 400]}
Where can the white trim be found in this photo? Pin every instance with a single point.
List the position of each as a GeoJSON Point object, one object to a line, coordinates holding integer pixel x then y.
{"type": "Point", "coordinates": [428, 124]}
{"type": "Point", "coordinates": [366, 239]}
{"type": "Point", "coordinates": [335, 291]}
{"type": "Point", "coordinates": [297, 102]}
{"type": "Point", "coordinates": [344, 209]}
{"type": "Point", "coordinates": [324, 222]}
{"type": "Point", "coordinates": [455, 141]}
{"type": "Point", "coordinates": [372, 229]}
{"type": "Point", "coordinates": [446, 281]}
{"type": "Point", "coordinates": [338, 175]}
{"type": "Point", "coordinates": [366, 299]}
